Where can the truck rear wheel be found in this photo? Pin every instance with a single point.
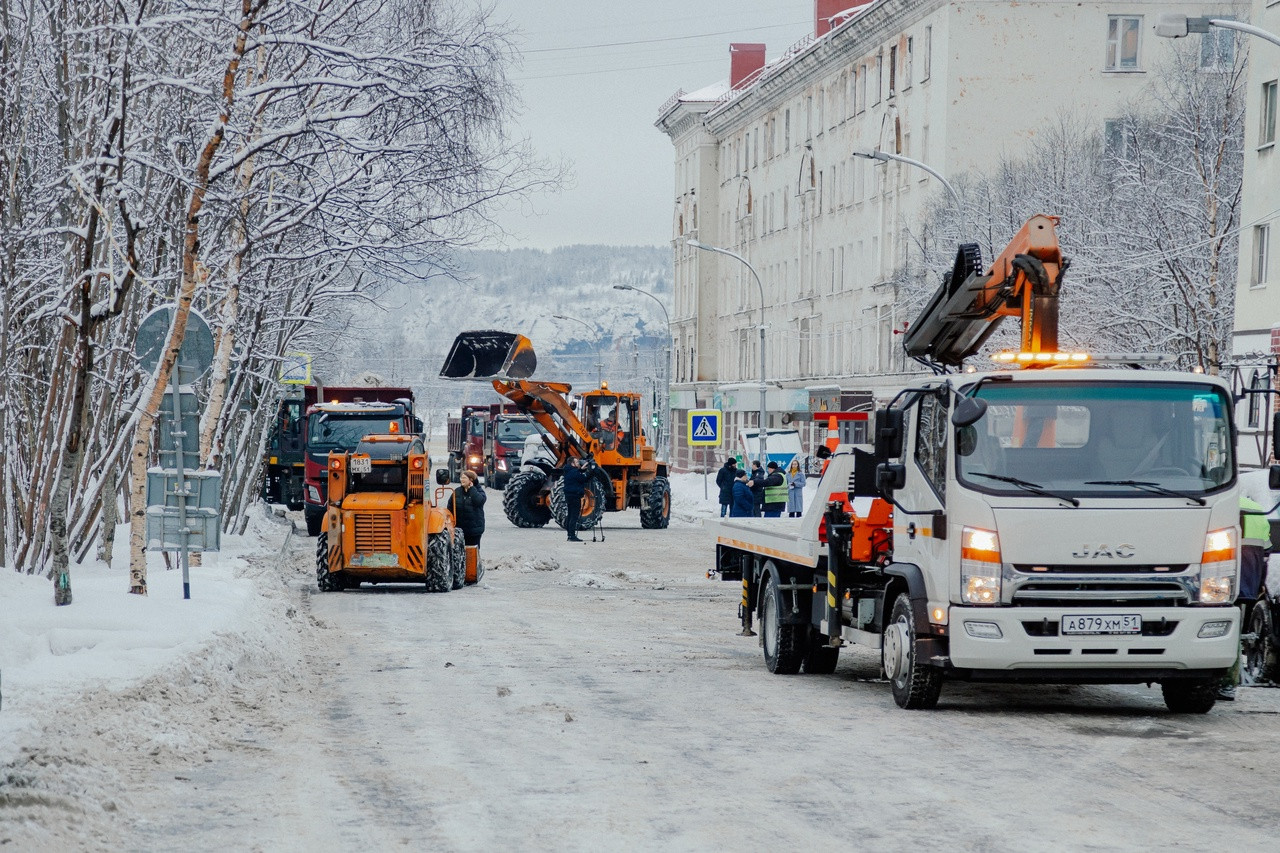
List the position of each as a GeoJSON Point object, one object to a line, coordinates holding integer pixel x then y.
{"type": "Point", "coordinates": [315, 520]}
{"type": "Point", "coordinates": [324, 580]}
{"type": "Point", "coordinates": [656, 512]}
{"type": "Point", "coordinates": [458, 556]}
{"type": "Point", "coordinates": [520, 499]}
{"type": "Point", "coordinates": [783, 644]}
{"type": "Point", "coordinates": [592, 504]}
{"type": "Point", "coordinates": [439, 575]}
{"type": "Point", "coordinates": [1190, 695]}
{"type": "Point", "coordinates": [915, 685]}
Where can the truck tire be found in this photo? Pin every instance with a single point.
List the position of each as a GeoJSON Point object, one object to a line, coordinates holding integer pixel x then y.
{"type": "Point", "coordinates": [656, 512]}
{"type": "Point", "coordinates": [315, 520]}
{"type": "Point", "coordinates": [784, 645]}
{"type": "Point", "coordinates": [1260, 653]}
{"type": "Point", "coordinates": [520, 500]}
{"type": "Point", "coordinates": [459, 557]}
{"type": "Point", "coordinates": [592, 504]}
{"type": "Point", "coordinates": [915, 685]}
{"type": "Point", "coordinates": [455, 469]}
{"type": "Point", "coordinates": [325, 581]}
{"type": "Point", "coordinates": [1190, 695]}
{"type": "Point", "coordinates": [439, 574]}
{"type": "Point", "coordinates": [821, 659]}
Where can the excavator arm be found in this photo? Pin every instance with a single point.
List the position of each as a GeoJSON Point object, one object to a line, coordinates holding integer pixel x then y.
{"type": "Point", "coordinates": [969, 305]}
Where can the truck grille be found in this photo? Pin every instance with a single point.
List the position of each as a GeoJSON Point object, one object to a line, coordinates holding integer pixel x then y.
{"type": "Point", "coordinates": [1112, 569]}
{"type": "Point", "coordinates": [1095, 592]}
{"type": "Point", "coordinates": [372, 533]}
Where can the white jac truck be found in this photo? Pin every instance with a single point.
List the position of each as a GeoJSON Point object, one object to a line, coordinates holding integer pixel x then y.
{"type": "Point", "coordinates": [1052, 522]}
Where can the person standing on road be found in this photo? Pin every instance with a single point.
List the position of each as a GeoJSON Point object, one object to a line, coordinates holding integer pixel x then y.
{"type": "Point", "coordinates": [724, 481]}
{"type": "Point", "coordinates": [757, 486]}
{"type": "Point", "coordinates": [774, 492]}
{"type": "Point", "coordinates": [795, 488]}
{"type": "Point", "coordinates": [575, 486]}
{"type": "Point", "coordinates": [744, 500]}
{"type": "Point", "coordinates": [467, 505]}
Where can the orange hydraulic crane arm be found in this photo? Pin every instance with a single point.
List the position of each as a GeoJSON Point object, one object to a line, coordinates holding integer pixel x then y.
{"type": "Point", "coordinates": [547, 403]}
{"type": "Point", "coordinates": [969, 305]}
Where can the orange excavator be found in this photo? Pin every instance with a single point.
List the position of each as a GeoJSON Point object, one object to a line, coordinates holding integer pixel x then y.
{"type": "Point", "coordinates": [605, 429]}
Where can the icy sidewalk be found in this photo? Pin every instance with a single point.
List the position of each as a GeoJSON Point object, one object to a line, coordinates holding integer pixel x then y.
{"type": "Point", "coordinates": [109, 639]}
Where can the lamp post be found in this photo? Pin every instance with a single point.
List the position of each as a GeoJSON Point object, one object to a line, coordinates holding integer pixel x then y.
{"type": "Point", "coordinates": [885, 156]}
{"type": "Point", "coordinates": [1174, 26]}
{"type": "Point", "coordinates": [596, 331]}
{"type": "Point", "coordinates": [671, 344]}
{"type": "Point", "coordinates": [763, 411]}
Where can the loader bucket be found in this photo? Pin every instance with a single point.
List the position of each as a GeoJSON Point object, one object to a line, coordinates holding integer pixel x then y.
{"type": "Point", "coordinates": [490, 355]}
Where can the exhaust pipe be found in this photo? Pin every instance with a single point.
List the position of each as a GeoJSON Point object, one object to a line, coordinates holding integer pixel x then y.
{"type": "Point", "coordinates": [490, 354]}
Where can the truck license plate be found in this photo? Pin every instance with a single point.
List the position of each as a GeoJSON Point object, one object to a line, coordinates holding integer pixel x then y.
{"type": "Point", "coordinates": [374, 561]}
{"type": "Point", "coordinates": [361, 464]}
{"type": "Point", "coordinates": [1085, 623]}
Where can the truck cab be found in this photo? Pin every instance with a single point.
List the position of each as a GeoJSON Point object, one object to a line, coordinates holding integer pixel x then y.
{"type": "Point", "coordinates": [1076, 525]}
{"type": "Point", "coordinates": [504, 441]}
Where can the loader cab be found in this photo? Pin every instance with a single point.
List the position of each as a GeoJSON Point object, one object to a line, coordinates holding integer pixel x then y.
{"type": "Point", "coordinates": [611, 419]}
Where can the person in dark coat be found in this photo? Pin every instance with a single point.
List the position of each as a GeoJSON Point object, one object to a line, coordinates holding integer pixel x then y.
{"type": "Point", "coordinates": [575, 486]}
{"type": "Point", "coordinates": [757, 486]}
{"type": "Point", "coordinates": [744, 500]}
{"type": "Point", "coordinates": [467, 505]}
{"type": "Point", "coordinates": [774, 492]}
{"type": "Point", "coordinates": [724, 481]}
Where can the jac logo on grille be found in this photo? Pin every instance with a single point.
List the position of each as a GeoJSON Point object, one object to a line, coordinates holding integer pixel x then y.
{"type": "Point", "coordinates": [1101, 552]}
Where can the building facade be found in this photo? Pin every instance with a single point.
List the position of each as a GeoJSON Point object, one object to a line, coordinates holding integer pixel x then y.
{"type": "Point", "coordinates": [765, 167]}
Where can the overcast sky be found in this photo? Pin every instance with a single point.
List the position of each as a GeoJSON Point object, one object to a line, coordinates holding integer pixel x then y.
{"type": "Point", "coordinates": [592, 79]}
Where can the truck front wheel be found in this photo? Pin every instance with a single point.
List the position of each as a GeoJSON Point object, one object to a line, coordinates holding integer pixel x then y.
{"type": "Point", "coordinates": [784, 645]}
{"type": "Point", "coordinates": [915, 685]}
{"type": "Point", "coordinates": [1190, 695]}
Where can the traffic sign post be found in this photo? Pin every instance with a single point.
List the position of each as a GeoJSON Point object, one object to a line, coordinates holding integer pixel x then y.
{"type": "Point", "coordinates": [295, 368]}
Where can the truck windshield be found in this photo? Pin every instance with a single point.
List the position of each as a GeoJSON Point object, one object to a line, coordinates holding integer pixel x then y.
{"type": "Point", "coordinates": [1066, 436]}
{"type": "Point", "coordinates": [515, 432]}
{"type": "Point", "coordinates": [328, 431]}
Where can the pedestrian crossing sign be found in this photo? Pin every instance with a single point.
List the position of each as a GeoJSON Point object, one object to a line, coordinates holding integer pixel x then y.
{"type": "Point", "coordinates": [704, 428]}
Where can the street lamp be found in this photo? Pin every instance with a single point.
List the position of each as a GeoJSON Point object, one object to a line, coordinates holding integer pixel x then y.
{"type": "Point", "coordinates": [671, 345]}
{"type": "Point", "coordinates": [763, 416]}
{"type": "Point", "coordinates": [1174, 26]}
{"type": "Point", "coordinates": [885, 156]}
{"type": "Point", "coordinates": [595, 331]}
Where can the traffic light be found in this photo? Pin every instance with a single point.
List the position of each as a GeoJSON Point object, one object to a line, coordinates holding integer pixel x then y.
{"type": "Point", "coordinates": [653, 420]}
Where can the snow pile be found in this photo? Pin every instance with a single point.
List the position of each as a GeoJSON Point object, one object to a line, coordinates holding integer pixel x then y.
{"type": "Point", "coordinates": [592, 581]}
{"type": "Point", "coordinates": [108, 640]}
{"type": "Point", "coordinates": [523, 563]}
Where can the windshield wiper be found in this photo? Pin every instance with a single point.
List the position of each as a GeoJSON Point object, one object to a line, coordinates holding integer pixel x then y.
{"type": "Point", "coordinates": [1029, 486]}
{"type": "Point", "coordinates": [1147, 486]}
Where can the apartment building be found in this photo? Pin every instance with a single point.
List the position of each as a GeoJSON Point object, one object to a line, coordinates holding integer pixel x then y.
{"type": "Point", "coordinates": [765, 168]}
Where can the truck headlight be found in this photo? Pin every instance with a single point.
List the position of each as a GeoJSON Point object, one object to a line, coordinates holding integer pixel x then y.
{"type": "Point", "coordinates": [1218, 567]}
{"type": "Point", "coordinates": [474, 460]}
{"type": "Point", "coordinates": [980, 566]}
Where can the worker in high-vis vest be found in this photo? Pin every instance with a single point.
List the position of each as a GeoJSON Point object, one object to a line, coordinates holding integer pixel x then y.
{"type": "Point", "coordinates": [1255, 541]}
{"type": "Point", "coordinates": [775, 492]}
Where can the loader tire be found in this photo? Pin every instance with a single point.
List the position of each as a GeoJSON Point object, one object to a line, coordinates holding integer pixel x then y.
{"type": "Point", "coordinates": [324, 580]}
{"type": "Point", "coordinates": [592, 504]}
{"type": "Point", "coordinates": [915, 685]}
{"type": "Point", "coordinates": [458, 555]}
{"type": "Point", "coordinates": [1261, 656]}
{"type": "Point", "coordinates": [656, 512]}
{"type": "Point", "coordinates": [520, 499]}
{"type": "Point", "coordinates": [784, 645]}
{"type": "Point", "coordinates": [439, 574]}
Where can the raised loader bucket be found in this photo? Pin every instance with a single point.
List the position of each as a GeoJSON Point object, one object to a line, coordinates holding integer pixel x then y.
{"type": "Point", "coordinates": [490, 355]}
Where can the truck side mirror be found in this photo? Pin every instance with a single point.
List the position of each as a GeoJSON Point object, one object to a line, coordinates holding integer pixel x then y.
{"type": "Point", "coordinates": [888, 434]}
{"type": "Point", "coordinates": [1275, 435]}
{"type": "Point", "coordinates": [1273, 478]}
{"type": "Point", "coordinates": [890, 476]}
{"type": "Point", "coordinates": [442, 476]}
{"type": "Point", "coordinates": [968, 412]}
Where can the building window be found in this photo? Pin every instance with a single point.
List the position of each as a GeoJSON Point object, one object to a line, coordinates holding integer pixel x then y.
{"type": "Point", "coordinates": [786, 131]}
{"type": "Point", "coordinates": [927, 65]}
{"type": "Point", "coordinates": [1115, 141]}
{"type": "Point", "coordinates": [1218, 49]}
{"type": "Point", "coordinates": [853, 93]}
{"type": "Point", "coordinates": [893, 70]}
{"type": "Point", "coordinates": [862, 87]}
{"type": "Point", "coordinates": [906, 66]}
{"type": "Point", "coordinates": [1261, 254]}
{"type": "Point", "coordinates": [1267, 131]}
{"type": "Point", "coordinates": [1122, 42]}
{"type": "Point", "coordinates": [879, 77]}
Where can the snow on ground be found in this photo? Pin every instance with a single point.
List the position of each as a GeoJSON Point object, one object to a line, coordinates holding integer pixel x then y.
{"type": "Point", "coordinates": [108, 639]}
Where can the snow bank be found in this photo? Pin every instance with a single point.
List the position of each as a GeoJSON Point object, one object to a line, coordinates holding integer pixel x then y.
{"type": "Point", "coordinates": [109, 640]}
{"type": "Point", "coordinates": [522, 563]}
